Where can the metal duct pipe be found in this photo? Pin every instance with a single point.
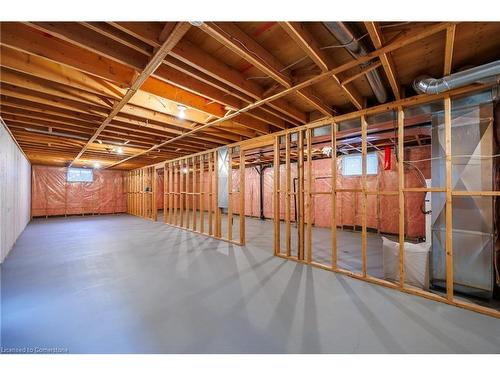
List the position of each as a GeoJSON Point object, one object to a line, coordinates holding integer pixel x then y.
{"type": "Point", "coordinates": [428, 85]}
{"type": "Point", "coordinates": [342, 33]}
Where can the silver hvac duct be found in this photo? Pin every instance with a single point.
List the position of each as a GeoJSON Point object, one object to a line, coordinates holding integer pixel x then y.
{"type": "Point", "coordinates": [427, 85]}
{"type": "Point", "coordinates": [342, 33]}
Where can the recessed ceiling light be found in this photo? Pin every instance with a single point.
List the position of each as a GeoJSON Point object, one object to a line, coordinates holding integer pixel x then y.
{"type": "Point", "coordinates": [97, 165]}
{"type": "Point", "coordinates": [119, 150]}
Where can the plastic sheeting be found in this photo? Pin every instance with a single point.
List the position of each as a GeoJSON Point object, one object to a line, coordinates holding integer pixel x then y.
{"type": "Point", "coordinates": [53, 195]}
{"type": "Point", "coordinates": [416, 258]}
{"type": "Point", "coordinates": [159, 191]}
{"type": "Point", "coordinates": [382, 211]}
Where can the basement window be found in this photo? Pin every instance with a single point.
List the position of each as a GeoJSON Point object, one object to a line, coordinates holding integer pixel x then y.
{"type": "Point", "coordinates": [80, 175]}
{"type": "Point", "coordinates": [352, 164]}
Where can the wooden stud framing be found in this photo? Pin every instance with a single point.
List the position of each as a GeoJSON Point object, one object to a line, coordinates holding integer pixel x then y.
{"type": "Point", "coordinates": [242, 197]}
{"type": "Point", "coordinates": [449, 299]}
{"type": "Point", "coordinates": [300, 193]}
{"type": "Point", "coordinates": [216, 196]}
{"type": "Point", "coordinates": [449, 223]}
{"type": "Point", "coordinates": [187, 194]}
{"type": "Point", "coordinates": [401, 186]}
{"type": "Point", "coordinates": [171, 192]}
{"type": "Point", "coordinates": [333, 182]}
{"type": "Point", "coordinates": [310, 195]}
{"type": "Point", "coordinates": [210, 193]}
{"type": "Point", "coordinates": [229, 193]}
{"type": "Point", "coordinates": [364, 126]}
{"type": "Point", "coordinates": [276, 198]}
{"type": "Point", "coordinates": [154, 213]}
{"type": "Point", "coordinates": [195, 195]}
{"type": "Point", "coordinates": [288, 209]}
{"type": "Point", "coordinates": [182, 194]}
{"type": "Point", "coordinates": [202, 194]}
{"type": "Point", "coordinates": [175, 188]}
{"type": "Point", "coordinates": [166, 193]}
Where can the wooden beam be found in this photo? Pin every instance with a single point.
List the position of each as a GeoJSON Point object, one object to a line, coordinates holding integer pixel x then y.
{"type": "Point", "coordinates": [448, 53]}
{"type": "Point", "coordinates": [403, 40]}
{"type": "Point", "coordinates": [24, 38]}
{"type": "Point", "coordinates": [190, 59]}
{"type": "Point", "coordinates": [303, 38]}
{"type": "Point", "coordinates": [178, 32]}
{"type": "Point", "coordinates": [243, 45]}
{"type": "Point", "coordinates": [386, 59]}
{"type": "Point", "coordinates": [168, 83]}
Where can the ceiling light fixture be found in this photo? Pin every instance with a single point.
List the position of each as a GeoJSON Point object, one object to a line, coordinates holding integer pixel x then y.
{"type": "Point", "coordinates": [184, 170]}
{"type": "Point", "coordinates": [119, 150]}
{"type": "Point", "coordinates": [182, 110]}
{"type": "Point", "coordinates": [97, 165]}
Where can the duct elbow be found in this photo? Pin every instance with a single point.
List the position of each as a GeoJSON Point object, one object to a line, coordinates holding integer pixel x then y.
{"type": "Point", "coordinates": [428, 85]}
{"type": "Point", "coordinates": [483, 73]}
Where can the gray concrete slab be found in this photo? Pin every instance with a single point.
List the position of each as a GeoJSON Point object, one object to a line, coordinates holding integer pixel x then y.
{"type": "Point", "coordinates": [121, 284]}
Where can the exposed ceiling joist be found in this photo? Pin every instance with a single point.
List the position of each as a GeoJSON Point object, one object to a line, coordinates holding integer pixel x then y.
{"type": "Point", "coordinates": [178, 32]}
{"type": "Point", "coordinates": [448, 53]}
{"type": "Point", "coordinates": [386, 59]}
{"type": "Point", "coordinates": [403, 40]}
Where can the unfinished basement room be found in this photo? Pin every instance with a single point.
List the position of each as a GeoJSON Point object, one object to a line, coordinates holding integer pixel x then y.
{"type": "Point", "coordinates": [249, 187]}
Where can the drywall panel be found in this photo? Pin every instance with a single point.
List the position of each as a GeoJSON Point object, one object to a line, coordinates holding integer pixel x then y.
{"type": "Point", "coordinates": [15, 192]}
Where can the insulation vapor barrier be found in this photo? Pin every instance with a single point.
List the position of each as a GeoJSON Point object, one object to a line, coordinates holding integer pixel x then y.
{"type": "Point", "coordinates": [53, 195]}
{"type": "Point", "coordinates": [382, 211]}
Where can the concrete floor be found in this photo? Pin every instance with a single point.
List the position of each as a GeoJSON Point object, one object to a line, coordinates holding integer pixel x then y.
{"type": "Point", "coordinates": [121, 284]}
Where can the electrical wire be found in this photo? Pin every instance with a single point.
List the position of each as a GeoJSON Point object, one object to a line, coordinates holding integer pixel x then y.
{"type": "Point", "coordinates": [333, 46]}
{"type": "Point", "coordinates": [459, 156]}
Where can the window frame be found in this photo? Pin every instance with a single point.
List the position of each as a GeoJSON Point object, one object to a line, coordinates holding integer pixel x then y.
{"type": "Point", "coordinates": [360, 156]}
{"type": "Point", "coordinates": [80, 180]}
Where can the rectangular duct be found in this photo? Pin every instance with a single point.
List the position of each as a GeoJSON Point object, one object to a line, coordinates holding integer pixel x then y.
{"type": "Point", "coordinates": [472, 140]}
